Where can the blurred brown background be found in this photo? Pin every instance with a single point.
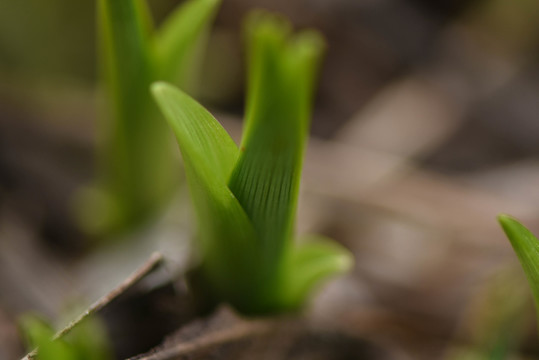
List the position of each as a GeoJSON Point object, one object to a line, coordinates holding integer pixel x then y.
{"type": "Point", "coordinates": [425, 128]}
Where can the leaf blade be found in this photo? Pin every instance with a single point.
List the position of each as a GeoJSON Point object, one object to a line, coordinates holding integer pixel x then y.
{"type": "Point", "coordinates": [209, 155]}
{"type": "Point", "coordinates": [125, 53]}
{"type": "Point", "coordinates": [266, 177]}
{"type": "Point", "coordinates": [309, 264]}
{"type": "Point", "coordinates": [134, 158]}
{"type": "Point", "coordinates": [176, 40]}
{"type": "Point", "coordinates": [87, 341]}
{"type": "Point", "coordinates": [200, 135]}
{"type": "Point", "coordinates": [526, 246]}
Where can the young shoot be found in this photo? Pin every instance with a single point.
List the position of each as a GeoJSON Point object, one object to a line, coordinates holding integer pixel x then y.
{"type": "Point", "coordinates": [87, 341]}
{"type": "Point", "coordinates": [134, 161]}
{"type": "Point", "coordinates": [245, 199]}
{"type": "Point", "coordinates": [526, 247]}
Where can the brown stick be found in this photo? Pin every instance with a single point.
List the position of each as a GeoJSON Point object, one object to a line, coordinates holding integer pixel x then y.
{"type": "Point", "coordinates": [238, 332]}
{"type": "Point", "coordinates": [155, 260]}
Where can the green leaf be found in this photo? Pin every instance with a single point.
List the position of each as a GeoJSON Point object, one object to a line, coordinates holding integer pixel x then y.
{"type": "Point", "coordinates": [134, 155]}
{"type": "Point", "coordinates": [280, 87]}
{"type": "Point", "coordinates": [526, 247]}
{"type": "Point", "coordinates": [90, 339]}
{"type": "Point", "coordinates": [177, 39]}
{"type": "Point", "coordinates": [203, 141]}
{"type": "Point", "coordinates": [126, 57]}
{"type": "Point", "coordinates": [245, 201]}
{"type": "Point", "coordinates": [209, 154]}
{"type": "Point", "coordinates": [135, 158]}
{"type": "Point", "coordinates": [39, 334]}
{"type": "Point", "coordinates": [87, 341]}
{"type": "Point", "coordinates": [308, 265]}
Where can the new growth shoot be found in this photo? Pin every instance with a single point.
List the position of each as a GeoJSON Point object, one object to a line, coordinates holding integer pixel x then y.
{"type": "Point", "coordinates": [135, 164]}
{"type": "Point", "coordinates": [245, 199]}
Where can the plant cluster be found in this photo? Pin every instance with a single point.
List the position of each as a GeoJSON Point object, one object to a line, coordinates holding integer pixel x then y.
{"type": "Point", "coordinates": [136, 172]}
{"type": "Point", "coordinates": [245, 198]}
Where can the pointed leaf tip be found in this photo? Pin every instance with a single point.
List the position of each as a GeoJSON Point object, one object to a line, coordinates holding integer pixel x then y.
{"type": "Point", "coordinates": [526, 247]}
{"type": "Point", "coordinates": [203, 141]}
{"type": "Point", "coordinates": [517, 233]}
{"type": "Point", "coordinates": [281, 73]}
{"type": "Point", "coordinates": [178, 39]}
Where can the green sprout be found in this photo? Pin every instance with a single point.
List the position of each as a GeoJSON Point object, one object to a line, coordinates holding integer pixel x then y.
{"type": "Point", "coordinates": [245, 199]}
{"type": "Point", "coordinates": [495, 322]}
{"type": "Point", "coordinates": [135, 165]}
{"type": "Point", "coordinates": [526, 247]}
{"type": "Point", "coordinates": [87, 341]}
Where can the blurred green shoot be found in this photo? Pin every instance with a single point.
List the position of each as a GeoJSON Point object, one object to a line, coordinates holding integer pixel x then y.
{"type": "Point", "coordinates": [245, 199]}
{"type": "Point", "coordinates": [495, 323]}
{"type": "Point", "coordinates": [526, 247]}
{"type": "Point", "coordinates": [87, 341]}
{"type": "Point", "coordinates": [135, 165]}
